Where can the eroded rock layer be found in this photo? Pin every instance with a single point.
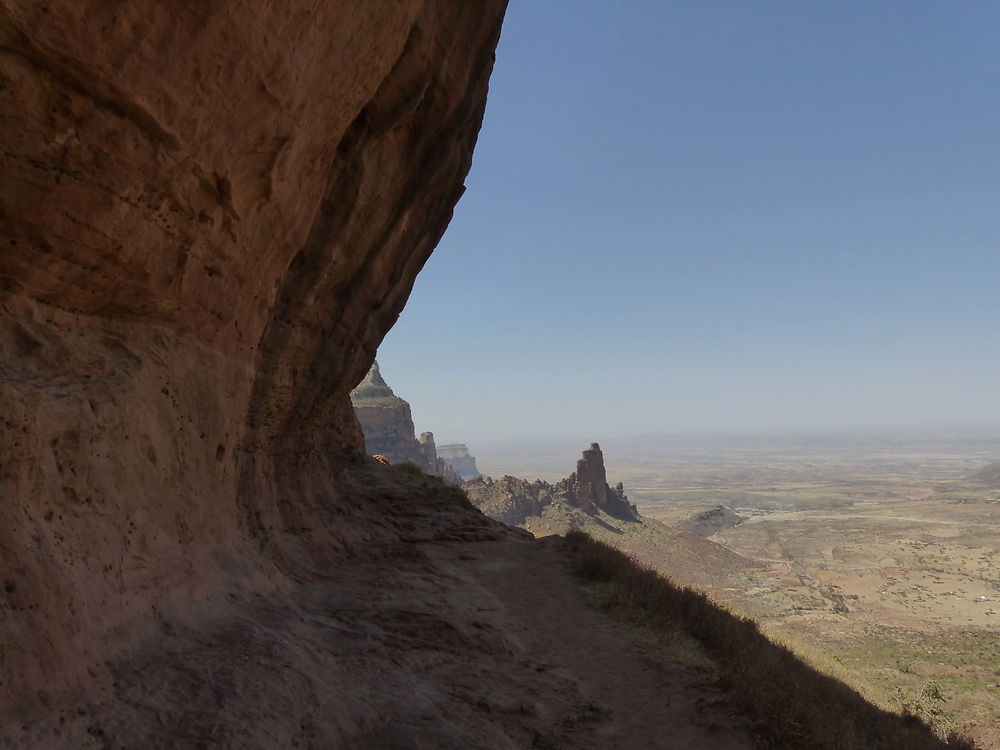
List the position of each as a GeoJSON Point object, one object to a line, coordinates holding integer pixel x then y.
{"type": "Point", "coordinates": [456, 455]}
{"type": "Point", "coordinates": [212, 214]}
{"type": "Point", "coordinates": [512, 500]}
{"type": "Point", "coordinates": [387, 424]}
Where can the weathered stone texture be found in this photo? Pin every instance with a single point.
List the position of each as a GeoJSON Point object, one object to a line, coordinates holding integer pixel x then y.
{"type": "Point", "coordinates": [212, 213]}
{"type": "Point", "coordinates": [387, 424]}
{"type": "Point", "coordinates": [591, 490]}
{"type": "Point", "coordinates": [388, 430]}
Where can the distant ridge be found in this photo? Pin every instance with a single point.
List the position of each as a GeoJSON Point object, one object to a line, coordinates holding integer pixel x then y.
{"type": "Point", "coordinates": [512, 500]}
{"type": "Point", "coordinates": [713, 521]}
{"type": "Point", "coordinates": [989, 475]}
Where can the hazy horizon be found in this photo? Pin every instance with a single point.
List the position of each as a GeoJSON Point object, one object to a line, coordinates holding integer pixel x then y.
{"type": "Point", "coordinates": [552, 458]}
{"type": "Point", "coordinates": [720, 218]}
{"type": "Point", "coordinates": [955, 432]}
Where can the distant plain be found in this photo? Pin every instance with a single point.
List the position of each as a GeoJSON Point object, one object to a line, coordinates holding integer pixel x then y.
{"type": "Point", "coordinates": [875, 557]}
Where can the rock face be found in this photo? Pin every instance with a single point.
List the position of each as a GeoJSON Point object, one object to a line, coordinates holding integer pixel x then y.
{"type": "Point", "coordinates": [212, 214]}
{"type": "Point", "coordinates": [387, 424]}
{"type": "Point", "coordinates": [591, 490]}
{"type": "Point", "coordinates": [428, 452]}
{"type": "Point", "coordinates": [372, 388]}
{"type": "Point", "coordinates": [456, 455]}
{"type": "Point", "coordinates": [512, 500]}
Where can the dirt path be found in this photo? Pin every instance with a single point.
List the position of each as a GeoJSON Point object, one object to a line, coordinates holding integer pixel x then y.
{"type": "Point", "coordinates": [484, 645]}
{"type": "Point", "coordinates": [629, 699]}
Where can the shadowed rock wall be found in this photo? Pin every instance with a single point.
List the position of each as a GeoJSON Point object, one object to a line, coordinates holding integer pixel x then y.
{"type": "Point", "coordinates": [212, 213]}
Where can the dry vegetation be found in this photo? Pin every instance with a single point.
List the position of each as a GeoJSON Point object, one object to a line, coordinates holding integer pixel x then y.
{"type": "Point", "coordinates": [790, 704]}
{"type": "Point", "coordinates": [875, 560]}
{"type": "Point", "coordinates": [878, 564]}
{"type": "Point", "coordinates": [901, 596]}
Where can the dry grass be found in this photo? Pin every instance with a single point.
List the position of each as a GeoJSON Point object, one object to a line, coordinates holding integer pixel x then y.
{"type": "Point", "coordinates": [790, 705]}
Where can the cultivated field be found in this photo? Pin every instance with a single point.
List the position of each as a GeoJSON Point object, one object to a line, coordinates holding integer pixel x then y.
{"type": "Point", "coordinates": [879, 562]}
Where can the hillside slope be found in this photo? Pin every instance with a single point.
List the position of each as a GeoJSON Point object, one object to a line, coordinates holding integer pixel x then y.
{"type": "Point", "coordinates": [547, 509]}
{"type": "Point", "coordinates": [467, 646]}
{"type": "Point", "coordinates": [988, 476]}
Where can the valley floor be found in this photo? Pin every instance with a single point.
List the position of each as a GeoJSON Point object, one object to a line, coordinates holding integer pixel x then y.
{"type": "Point", "coordinates": [889, 596]}
{"type": "Point", "coordinates": [605, 690]}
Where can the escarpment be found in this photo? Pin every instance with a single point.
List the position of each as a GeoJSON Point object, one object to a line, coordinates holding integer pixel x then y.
{"type": "Point", "coordinates": [213, 212]}
{"type": "Point", "coordinates": [456, 455]}
{"type": "Point", "coordinates": [512, 500]}
{"type": "Point", "coordinates": [387, 427]}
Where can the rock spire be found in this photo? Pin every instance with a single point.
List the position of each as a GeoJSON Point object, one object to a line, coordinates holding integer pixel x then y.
{"type": "Point", "coordinates": [512, 500]}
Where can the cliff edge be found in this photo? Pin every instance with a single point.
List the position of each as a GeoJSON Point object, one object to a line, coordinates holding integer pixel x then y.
{"type": "Point", "coordinates": [387, 424]}
{"type": "Point", "coordinates": [213, 212]}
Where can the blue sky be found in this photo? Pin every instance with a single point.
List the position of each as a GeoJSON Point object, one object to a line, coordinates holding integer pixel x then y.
{"type": "Point", "coordinates": [720, 217]}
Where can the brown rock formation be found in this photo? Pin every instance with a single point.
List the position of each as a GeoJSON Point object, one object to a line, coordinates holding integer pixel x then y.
{"type": "Point", "coordinates": [387, 424]}
{"type": "Point", "coordinates": [212, 214]}
{"type": "Point", "coordinates": [512, 500]}
{"type": "Point", "coordinates": [428, 452]}
{"type": "Point", "coordinates": [388, 428]}
{"type": "Point", "coordinates": [456, 455]}
{"type": "Point", "coordinates": [587, 487]}
{"type": "Point", "coordinates": [591, 490]}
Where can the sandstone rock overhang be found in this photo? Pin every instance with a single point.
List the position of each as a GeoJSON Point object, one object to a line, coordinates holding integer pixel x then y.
{"type": "Point", "coordinates": [213, 212]}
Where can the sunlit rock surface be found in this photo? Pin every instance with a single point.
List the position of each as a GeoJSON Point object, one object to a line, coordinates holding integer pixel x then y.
{"type": "Point", "coordinates": [457, 456]}
{"type": "Point", "coordinates": [387, 424]}
{"type": "Point", "coordinates": [513, 500]}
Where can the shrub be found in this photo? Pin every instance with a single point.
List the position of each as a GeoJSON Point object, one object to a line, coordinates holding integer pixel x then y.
{"type": "Point", "coordinates": [789, 704]}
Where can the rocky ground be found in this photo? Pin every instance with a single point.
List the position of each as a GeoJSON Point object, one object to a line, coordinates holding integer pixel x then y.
{"type": "Point", "coordinates": [442, 644]}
